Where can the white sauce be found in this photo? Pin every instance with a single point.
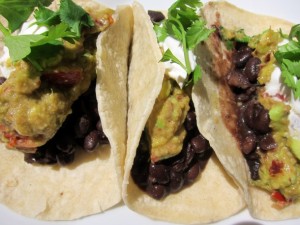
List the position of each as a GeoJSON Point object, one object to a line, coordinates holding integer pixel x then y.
{"type": "Point", "coordinates": [280, 92]}
{"type": "Point", "coordinates": [31, 28]}
{"type": "Point", "coordinates": [5, 69]}
{"type": "Point", "coordinates": [174, 70]}
{"type": "Point", "coordinates": [27, 28]}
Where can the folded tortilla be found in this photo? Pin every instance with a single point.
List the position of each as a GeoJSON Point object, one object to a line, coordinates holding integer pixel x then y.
{"type": "Point", "coordinates": [213, 196]}
{"type": "Point", "coordinates": [217, 113]}
{"type": "Point", "coordinates": [92, 183]}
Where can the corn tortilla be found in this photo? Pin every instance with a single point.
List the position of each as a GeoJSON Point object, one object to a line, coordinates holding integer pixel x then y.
{"type": "Point", "coordinates": [216, 111]}
{"type": "Point", "coordinates": [214, 196]}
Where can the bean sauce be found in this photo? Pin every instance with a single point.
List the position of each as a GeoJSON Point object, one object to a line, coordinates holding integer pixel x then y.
{"type": "Point", "coordinates": [171, 175]}
{"type": "Point", "coordinates": [253, 119]}
{"type": "Point", "coordinates": [81, 130]}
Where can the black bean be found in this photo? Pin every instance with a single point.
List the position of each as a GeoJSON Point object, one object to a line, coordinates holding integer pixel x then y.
{"type": "Point", "coordinates": [170, 175]}
{"type": "Point", "coordinates": [82, 126]}
{"type": "Point", "coordinates": [44, 156]}
{"type": "Point", "coordinates": [236, 79]}
{"type": "Point", "coordinates": [204, 157]}
{"type": "Point", "coordinates": [65, 145]}
{"type": "Point", "coordinates": [76, 132]}
{"type": "Point", "coordinates": [176, 181]}
{"type": "Point", "coordinates": [252, 156]}
{"type": "Point", "coordinates": [267, 142]}
{"type": "Point", "coordinates": [139, 171]}
{"type": "Point", "coordinates": [2, 80]}
{"type": "Point", "coordinates": [257, 117]}
{"type": "Point", "coordinates": [99, 126]}
{"type": "Point", "coordinates": [190, 122]}
{"type": "Point", "coordinates": [95, 111]}
{"type": "Point", "coordinates": [241, 56]}
{"type": "Point", "coordinates": [189, 155]}
{"type": "Point", "coordinates": [102, 137]}
{"type": "Point", "coordinates": [157, 191]}
{"type": "Point", "coordinates": [64, 158]}
{"type": "Point", "coordinates": [193, 173]}
{"type": "Point", "coordinates": [247, 94]}
{"type": "Point", "coordinates": [29, 158]}
{"type": "Point", "coordinates": [252, 69]}
{"type": "Point", "coordinates": [63, 78]}
{"type": "Point", "coordinates": [249, 143]}
{"type": "Point", "coordinates": [199, 144]}
{"type": "Point", "coordinates": [254, 168]}
{"type": "Point", "coordinates": [159, 173]}
{"type": "Point", "coordinates": [91, 141]}
{"type": "Point", "coordinates": [156, 16]}
{"type": "Point", "coordinates": [178, 165]}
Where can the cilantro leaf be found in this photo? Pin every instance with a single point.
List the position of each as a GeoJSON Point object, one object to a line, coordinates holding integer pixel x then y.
{"type": "Point", "coordinates": [295, 32]}
{"type": "Point", "coordinates": [169, 56]}
{"type": "Point", "coordinates": [288, 58]}
{"type": "Point", "coordinates": [185, 11]}
{"type": "Point", "coordinates": [55, 35]}
{"type": "Point", "coordinates": [16, 12]}
{"type": "Point", "coordinates": [174, 29]}
{"type": "Point", "coordinates": [186, 26]}
{"type": "Point", "coordinates": [46, 17]}
{"type": "Point", "coordinates": [197, 33]}
{"type": "Point", "coordinates": [161, 32]}
{"type": "Point", "coordinates": [290, 72]}
{"type": "Point", "coordinates": [74, 16]}
{"type": "Point", "coordinates": [64, 24]}
{"type": "Point", "coordinates": [197, 74]}
{"type": "Point", "coordinates": [289, 50]}
{"type": "Point", "coordinates": [293, 67]}
{"type": "Point", "coordinates": [20, 46]}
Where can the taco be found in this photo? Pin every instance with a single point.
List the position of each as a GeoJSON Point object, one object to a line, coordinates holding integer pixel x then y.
{"type": "Point", "coordinates": [248, 101]}
{"type": "Point", "coordinates": [165, 151]}
{"type": "Point", "coordinates": [60, 107]}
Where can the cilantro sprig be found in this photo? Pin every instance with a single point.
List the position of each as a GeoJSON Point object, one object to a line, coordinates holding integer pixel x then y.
{"type": "Point", "coordinates": [17, 11]}
{"type": "Point", "coordinates": [64, 24]}
{"type": "Point", "coordinates": [288, 58]}
{"type": "Point", "coordinates": [185, 25]}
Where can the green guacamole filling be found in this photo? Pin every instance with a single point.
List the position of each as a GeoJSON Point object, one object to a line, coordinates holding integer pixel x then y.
{"type": "Point", "coordinates": [165, 124]}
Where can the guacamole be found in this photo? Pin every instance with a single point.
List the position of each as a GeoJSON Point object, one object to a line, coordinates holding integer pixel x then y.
{"type": "Point", "coordinates": [35, 103]}
{"type": "Point", "coordinates": [165, 124]}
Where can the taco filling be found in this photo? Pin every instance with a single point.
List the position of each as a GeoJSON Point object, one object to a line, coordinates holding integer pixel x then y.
{"type": "Point", "coordinates": [47, 95]}
{"type": "Point", "coordinates": [263, 81]}
{"type": "Point", "coordinates": [172, 152]}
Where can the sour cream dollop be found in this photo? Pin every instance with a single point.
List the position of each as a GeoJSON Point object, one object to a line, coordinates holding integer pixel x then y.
{"type": "Point", "coordinates": [280, 92]}
{"type": "Point", "coordinates": [174, 70]}
{"type": "Point", "coordinates": [27, 28]}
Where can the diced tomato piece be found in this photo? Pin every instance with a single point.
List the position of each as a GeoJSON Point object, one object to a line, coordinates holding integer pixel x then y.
{"type": "Point", "coordinates": [277, 196]}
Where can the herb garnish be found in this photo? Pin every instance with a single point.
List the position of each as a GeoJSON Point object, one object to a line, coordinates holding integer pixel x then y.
{"type": "Point", "coordinates": [288, 57]}
{"type": "Point", "coordinates": [64, 24]}
{"type": "Point", "coordinates": [186, 26]}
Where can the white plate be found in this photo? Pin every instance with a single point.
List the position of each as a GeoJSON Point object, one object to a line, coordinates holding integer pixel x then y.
{"type": "Point", "coordinates": [120, 215]}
